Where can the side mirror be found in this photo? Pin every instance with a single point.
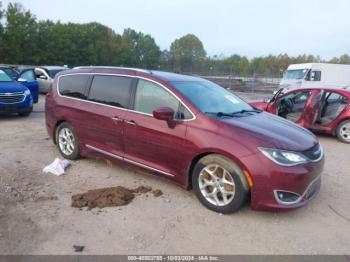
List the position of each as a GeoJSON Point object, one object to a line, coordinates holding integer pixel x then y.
{"type": "Point", "coordinates": [43, 77]}
{"type": "Point", "coordinates": [22, 80]}
{"type": "Point", "coordinates": [166, 114]}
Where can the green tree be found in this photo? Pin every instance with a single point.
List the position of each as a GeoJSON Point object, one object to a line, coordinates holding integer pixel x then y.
{"type": "Point", "coordinates": [344, 59]}
{"type": "Point", "coordinates": [1, 33]}
{"type": "Point", "coordinates": [186, 52]}
{"type": "Point", "coordinates": [143, 52]}
{"type": "Point", "coordinates": [233, 63]}
{"type": "Point", "coordinates": [19, 37]}
{"type": "Point", "coordinates": [244, 66]}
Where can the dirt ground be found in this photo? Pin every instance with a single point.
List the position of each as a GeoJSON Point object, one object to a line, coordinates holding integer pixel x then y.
{"type": "Point", "coordinates": [36, 216]}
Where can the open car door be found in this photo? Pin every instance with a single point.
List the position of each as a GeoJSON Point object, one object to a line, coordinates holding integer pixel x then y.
{"type": "Point", "coordinates": [313, 108]}
{"type": "Point", "coordinates": [271, 105]}
{"type": "Point", "coordinates": [27, 78]}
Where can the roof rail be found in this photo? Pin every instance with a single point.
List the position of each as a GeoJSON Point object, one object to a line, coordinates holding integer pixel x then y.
{"type": "Point", "coordinates": [115, 67]}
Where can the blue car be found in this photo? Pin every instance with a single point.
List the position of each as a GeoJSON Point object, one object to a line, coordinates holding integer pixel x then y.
{"type": "Point", "coordinates": [18, 96]}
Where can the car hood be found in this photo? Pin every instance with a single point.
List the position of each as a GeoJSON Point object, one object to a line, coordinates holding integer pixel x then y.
{"type": "Point", "coordinates": [267, 130]}
{"type": "Point", "coordinates": [11, 87]}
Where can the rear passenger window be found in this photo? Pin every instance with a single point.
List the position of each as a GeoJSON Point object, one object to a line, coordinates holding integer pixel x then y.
{"type": "Point", "coordinates": [73, 85]}
{"type": "Point", "coordinates": [111, 90]}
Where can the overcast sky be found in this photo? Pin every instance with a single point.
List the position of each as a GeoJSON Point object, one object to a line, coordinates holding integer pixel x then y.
{"type": "Point", "coordinates": [245, 27]}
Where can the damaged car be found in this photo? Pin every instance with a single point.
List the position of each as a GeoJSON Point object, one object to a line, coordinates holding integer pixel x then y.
{"type": "Point", "coordinates": [325, 110]}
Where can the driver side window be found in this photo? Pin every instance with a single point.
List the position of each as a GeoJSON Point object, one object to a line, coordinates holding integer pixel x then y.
{"type": "Point", "coordinates": [150, 96]}
{"type": "Point", "coordinates": [28, 75]}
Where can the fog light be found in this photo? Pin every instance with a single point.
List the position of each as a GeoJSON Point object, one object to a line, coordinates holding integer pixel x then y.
{"type": "Point", "coordinates": [286, 197]}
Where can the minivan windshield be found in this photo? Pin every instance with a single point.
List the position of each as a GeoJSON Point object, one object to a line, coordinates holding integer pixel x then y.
{"type": "Point", "coordinates": [4, 77]}
{"type": "Point", "coordinates": [211, 98]}
{"type": "Point", "coordinates": [295, 74]}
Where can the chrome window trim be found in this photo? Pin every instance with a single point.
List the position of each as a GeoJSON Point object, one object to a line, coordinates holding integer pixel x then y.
{"type": "Point", "coordinates": [124, 109]}
{"type": "Point", "coordinates": [127, 160]}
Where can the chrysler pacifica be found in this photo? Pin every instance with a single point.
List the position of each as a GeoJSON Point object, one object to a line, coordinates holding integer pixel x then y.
{"type": "Point", "coordinates": [188, 130]}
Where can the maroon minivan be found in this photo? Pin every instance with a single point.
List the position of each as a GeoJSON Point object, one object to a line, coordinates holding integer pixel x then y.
{"type": "Point", "coordinates": [189, 130]}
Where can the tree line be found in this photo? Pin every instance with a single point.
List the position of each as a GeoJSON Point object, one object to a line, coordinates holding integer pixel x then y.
{"type": "Point", "coordinates": [26, 40]}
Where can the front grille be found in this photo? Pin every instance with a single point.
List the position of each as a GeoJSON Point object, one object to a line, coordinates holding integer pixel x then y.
{"type": "Point", "coordinates": [315, 153]}
{"type": "Point", "coordinates": [11, 98]}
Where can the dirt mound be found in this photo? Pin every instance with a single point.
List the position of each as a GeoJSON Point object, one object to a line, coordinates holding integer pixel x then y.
{"type": "Point", "coordinates": [110, 196]}
{"type": "Point", "coordinates": [104, 197]}
{"type": "Point", "coordinates": [142, 189]}
{"type": "Point", "coordinates": [157, 193]}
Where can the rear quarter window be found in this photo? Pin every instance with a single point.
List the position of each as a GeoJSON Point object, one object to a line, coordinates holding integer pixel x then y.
{"type": "Point", "coordinates": [73, 86]}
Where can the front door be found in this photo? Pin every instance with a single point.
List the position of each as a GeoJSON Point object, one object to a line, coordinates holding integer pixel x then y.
{"type": "Point", "coordinates": [31, 83]}
{"type": "Point", "coordinates": [292, 105]}
{"type": "Point", "coordinates": [150, 142]}
{"type": "Point", "coordinates": [312, 108]}
{"type": "Point", "coordinates": [44, 80]}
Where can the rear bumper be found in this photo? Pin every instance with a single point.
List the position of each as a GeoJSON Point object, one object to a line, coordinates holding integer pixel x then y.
{"type": "Point", "coordinates": [273, 182]}
{"type": "Point", "coordinates": [21, 107]}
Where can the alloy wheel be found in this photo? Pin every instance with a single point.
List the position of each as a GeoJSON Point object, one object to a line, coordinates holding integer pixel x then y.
{"type": "Point", "coordinates": [345, 131]}
{"type": "Point", "coordinates": [66, 141]}
{"type": "Point", "coordinates": [216, 185]}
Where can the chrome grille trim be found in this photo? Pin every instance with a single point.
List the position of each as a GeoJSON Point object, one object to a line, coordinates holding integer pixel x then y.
{"type": "Point", "coordinates": [12, 97]}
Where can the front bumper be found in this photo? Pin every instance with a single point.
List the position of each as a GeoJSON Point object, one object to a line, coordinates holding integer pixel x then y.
{"type": "Point", "coordinates": [20, 107]}
{"type": "Point", "coordinates": [273, 183]}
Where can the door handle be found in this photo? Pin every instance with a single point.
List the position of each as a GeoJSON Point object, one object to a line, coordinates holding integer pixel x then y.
{"type": "Point", "coordinates": [116, 118]}
{"type": "Point", "coordinates": [131, 122]}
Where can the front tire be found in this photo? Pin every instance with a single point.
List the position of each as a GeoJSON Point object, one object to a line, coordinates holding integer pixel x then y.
{"type": "Point", "coordinates": [67, 141]}
{"type": "Point", "coordinates": [219, 184]}
{"type": "Point", "coordinates": [343, 131]}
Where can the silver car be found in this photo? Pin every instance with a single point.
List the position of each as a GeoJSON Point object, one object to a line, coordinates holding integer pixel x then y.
{"type": "Point", "coordinates": [45, 76]}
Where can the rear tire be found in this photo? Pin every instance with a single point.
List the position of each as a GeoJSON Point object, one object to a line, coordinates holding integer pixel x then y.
{"type": "Point", "coordinates": [219, 184]}
{"type": "Point", "coordinates": [343, 131]}
{"type": "Point", "coordinates": [67, 141]}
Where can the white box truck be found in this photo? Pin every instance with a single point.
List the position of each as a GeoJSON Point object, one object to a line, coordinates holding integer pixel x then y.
{"type": "Point", "coordinates": [316, 75]}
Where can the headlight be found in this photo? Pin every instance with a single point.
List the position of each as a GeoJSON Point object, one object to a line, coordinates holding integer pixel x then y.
{"type": "Point", "coordinates": [282, 157]}
{"type": "Point", "coordinates": [27, 92]}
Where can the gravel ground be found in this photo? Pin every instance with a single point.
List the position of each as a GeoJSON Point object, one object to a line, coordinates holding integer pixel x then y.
{"type": "Point", "coordinates": [36, 216]}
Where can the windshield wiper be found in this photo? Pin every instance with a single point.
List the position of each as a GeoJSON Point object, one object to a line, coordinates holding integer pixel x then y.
{"type": "Point", "coordinates": [219, 114]}
{"type": "Point", "coordinates": [246, 111]}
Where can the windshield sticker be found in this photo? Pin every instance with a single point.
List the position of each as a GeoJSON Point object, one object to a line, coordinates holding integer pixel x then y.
{"type": "Point", "coordinates": [232, 99]}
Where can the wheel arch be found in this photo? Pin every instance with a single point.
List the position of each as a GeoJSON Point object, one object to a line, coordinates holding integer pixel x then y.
{"type": "Point", "coordinates": [57, 124]}
{"type": "Point", "coordinates": [234, 159]}
{"type": "Point", "coordinates": [336, 125]}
